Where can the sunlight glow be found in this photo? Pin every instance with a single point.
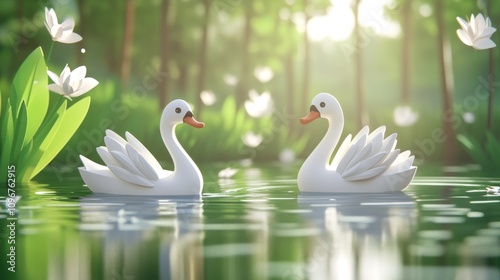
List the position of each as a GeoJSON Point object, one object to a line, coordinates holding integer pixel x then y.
{"type": "Point", "coordinates": [337, 24]}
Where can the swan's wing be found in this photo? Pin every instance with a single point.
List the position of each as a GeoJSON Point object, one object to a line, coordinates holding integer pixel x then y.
{"type": "Point", "coordinates": [146, 154]}
{"type": "Point", "coordinates": [129, 161]}
{"type": "Point", "coordinates": [341, 151]}
{"type": "Point", "coordinates": [365, 161]}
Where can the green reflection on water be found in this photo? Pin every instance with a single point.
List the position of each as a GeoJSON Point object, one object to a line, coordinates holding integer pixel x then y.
{"type": "Point", "coordinates": [257, 226]}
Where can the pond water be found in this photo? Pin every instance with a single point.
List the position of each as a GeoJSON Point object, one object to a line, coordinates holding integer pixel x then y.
{"type": "Point", "coordinates": [257, 226]}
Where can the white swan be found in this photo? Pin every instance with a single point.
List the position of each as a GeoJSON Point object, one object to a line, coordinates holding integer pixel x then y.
{"type": "Point", "coordinates": [132, 170]}
{"type": "Point", "coordinates": [367, 163]}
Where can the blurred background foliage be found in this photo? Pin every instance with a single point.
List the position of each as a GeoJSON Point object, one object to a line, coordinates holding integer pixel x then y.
{"type": "Point", "coordinates": [373, 55]}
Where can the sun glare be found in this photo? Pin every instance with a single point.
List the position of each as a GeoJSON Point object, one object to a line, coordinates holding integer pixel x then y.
{"type": "Point", "coordinates": [337, 24]}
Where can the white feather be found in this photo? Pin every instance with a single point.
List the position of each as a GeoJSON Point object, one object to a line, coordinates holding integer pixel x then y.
{"type": "Point", "coordinates": [129, 177]}
{"type": "Point", "coordinates": [139, 147]}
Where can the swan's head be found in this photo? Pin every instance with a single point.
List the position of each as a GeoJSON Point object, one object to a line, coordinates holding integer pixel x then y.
{"type": "Point", "coordinates": [179, 111]}
{"type": "Point", "coordinates": [324, 105]}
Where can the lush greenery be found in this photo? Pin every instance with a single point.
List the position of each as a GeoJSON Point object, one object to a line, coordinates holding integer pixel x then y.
{"type": "Point", "coordinates": [148, 52]}
{"type": "Point", "coordinates": [33, 132]}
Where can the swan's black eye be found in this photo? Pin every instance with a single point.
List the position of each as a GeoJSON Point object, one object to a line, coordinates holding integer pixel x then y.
{"type": "Point", "coordinates": [178, 110]}
{"type": "Point", "coordinates": [322, 104]}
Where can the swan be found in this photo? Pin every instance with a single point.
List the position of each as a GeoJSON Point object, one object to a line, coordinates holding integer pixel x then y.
{"type": "Point", "coordinates": [132, 170]}
{"type": "Point", "coordinates": [365, 163]}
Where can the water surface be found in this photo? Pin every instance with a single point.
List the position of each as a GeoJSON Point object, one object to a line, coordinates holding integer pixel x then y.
{"type": "Point", "coordinates": [256, 226]}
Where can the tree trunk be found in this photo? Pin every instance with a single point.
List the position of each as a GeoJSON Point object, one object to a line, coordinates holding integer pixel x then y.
{"type": "Point", "coordinates": [81, 31]}
{"type": "Point", "coordinates": [164, 54]}
{"type": "Point", "coordinates": [128, 35]}
{"type": "Point", "coordinates": [358, 69]}
{"type": "Point", "coordinates": [203, 57]}
{"type": "Point", "coordinates": [450, 140]}
{"type": "Point", "coordinates": [405, 53]}
{"type": "Point", "coordinates": [307, 58]}
{"type": "Point", "coordinates": [491, 75]}
{"type": "Point", "coordinates": [242, 89]}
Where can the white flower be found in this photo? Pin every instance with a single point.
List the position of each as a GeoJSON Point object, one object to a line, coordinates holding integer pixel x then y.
{"type": "Point", "coordinates": [287, 156]}
{"type": "Point", "coordinates": [477, 32]}
{"type": "Point", "coordinates": [263, 74]}
{"type": "Point", "coordinates": [71, 84]}
{"type": "Point", "coordinates": [61, 32]}
{"type": "Point", "coordinates": [469, 117]}
{"type": "Point", "coordinates": [259, 105]}
{"type": "Point", "coordinates": [493, 190]}
{"type": "Point", "coordinates": [208, 98]}
{"type": "Point", "coordinates": [230, 80]}
{"type": "Point", "coordinates": [227, 173]}
{"type": "Point", "coordinates": [252, 140]}
{"type": "Point", "coordinates": [404, 116]}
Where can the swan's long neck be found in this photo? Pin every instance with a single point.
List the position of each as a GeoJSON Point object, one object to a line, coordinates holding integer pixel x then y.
{"type": "Point", "coordinates": [181, 159]}
{"type": "Point", "coordinates": [320, 156]}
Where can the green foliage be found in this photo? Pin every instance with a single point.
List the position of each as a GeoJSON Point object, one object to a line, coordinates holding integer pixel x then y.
{"type": "Point", "coordinates": [31, 137]}
{"type": "Point", "coordinates": [487, 155]}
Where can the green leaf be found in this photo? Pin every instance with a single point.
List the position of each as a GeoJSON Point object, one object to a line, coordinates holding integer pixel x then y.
{"type": "Point", "coordinates": [72, 119]}
{"type": "Point", "coordinates": [6, 140]}
{"type": "Point", "coordinates": [41, 142]}
{"type": "Point", "coordinates": [30, 86]}
{"type": "Point", "coordinates": [474, 149]}
{"type": "Point", "coordinates": [19, 133]}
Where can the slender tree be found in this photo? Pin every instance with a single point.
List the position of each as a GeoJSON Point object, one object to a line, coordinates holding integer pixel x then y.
{"type": "Point", "coordinates": [243, 85]}
{"type": "Point", "coordinates": [358, 69]}
{"type": "Point", "coordinates": [307, 57]}
{"type": "Point", "coordinates": [128, 35]}
{"type": "Point", "coordinates": [446, 73]}
{"type": "Point", "coordinates": [203, 55]}
{"type": "Point", "coordinates": [405, 52]}
{"type": "Point", "coordinates": [164, 54]}
{"type": "Point", "coordinates": [490, 77]}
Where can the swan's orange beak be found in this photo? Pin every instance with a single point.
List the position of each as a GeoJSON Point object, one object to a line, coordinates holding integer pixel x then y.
{"type": "Point", "coordinates": [189, 119]}
{"type": "Point", "coordinates": [313, 114]}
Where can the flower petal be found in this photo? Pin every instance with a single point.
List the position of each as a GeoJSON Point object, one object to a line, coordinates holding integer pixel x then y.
{"type": "Point", "coordinates": [464, 37]}
{"type": "Point", "coordinates": [88, 84]}
{"type": "Point", "coordinates": [70, 39]}
{"type": "Point", "coordinates": [57, 89]}
{"type": "Point", "coordinates": [487, 32]}
{"type": "Point", "coordinates": [463, 23]}
{"type": "Point", "coordinates": [483, 44]}
{"type": "Point", "coordinates": [79, 73]}
{"type": "Point", "coordinates": [53, 76]}
{"type": "Point", "coordinates": [53, 17]}
{"type": "Point", "coordinates": [480, 24]}
{"type": "Point", "coordinates": [68, 24]}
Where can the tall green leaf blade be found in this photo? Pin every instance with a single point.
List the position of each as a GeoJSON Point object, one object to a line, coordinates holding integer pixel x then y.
{"type": "Point", "coordinates": [19, 132]}
{"type": "Point", "coordinates": [72, 119]}
{"type": "Point", "coordinates": [24, 78]}
{"type": "Point", "coordinates": [41, 142]}
{"type": "Point", "coordinates": [6, 140]}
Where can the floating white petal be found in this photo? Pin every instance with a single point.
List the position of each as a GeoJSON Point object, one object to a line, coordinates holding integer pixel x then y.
{"type": "Point", "coordinates": [208, 98]}
{"type": "Point", "coordinates": [405, 116]}
{"type": "Point", "coordinates": [252, 140]}
{"type": "Point", "coordinates": [259, 105]}
{"type": "Point", "coordinates": [227, 173]}
{"type": "Point", "coordinates": [264, 74]}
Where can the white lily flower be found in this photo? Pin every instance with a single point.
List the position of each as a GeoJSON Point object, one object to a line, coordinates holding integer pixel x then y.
{"type": "Point", "coordinates": [263, 74]}
{"type": "Point", "coordinates": [477, 32]}
{"type": "Point", "coordinates": [259, 105]}
{"type": "Point", "coordinates": [71, 83]}
{"type": "Point", "coordinates": [227, 173]}
{"type": "Point", "coordinates": [404, 116]}
{"type": "Point", "coordinates": [61, 32]}
{"type": "Point", "coordinates": [469, 117]}
{"type": "Point", "coordinates": [208, 98]}
{"type": "Point", "coordinates": [230, 80]}
{"type": "Point", "coordinates": [252, 140]}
